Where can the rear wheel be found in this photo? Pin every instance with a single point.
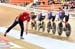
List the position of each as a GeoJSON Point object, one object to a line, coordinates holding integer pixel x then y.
{"type": "Point", "coordinates": [48, 26]}
{"type": "Point", "coordinates": [32, 25]}
{"type": "Point", "coordinates": [39, 25]}
{"type": "Point", "coordinates": [43, 26]}
{"type": "Point", "coordinates": [59, 31]}
{"type": "Point", "coordinates": [54, 28]}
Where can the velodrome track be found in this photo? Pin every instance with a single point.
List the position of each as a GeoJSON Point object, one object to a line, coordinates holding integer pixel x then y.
{"type": "Point", "coordinates": [7, 16]}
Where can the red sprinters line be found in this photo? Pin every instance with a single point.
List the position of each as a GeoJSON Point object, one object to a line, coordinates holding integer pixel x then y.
{"type": "Point", "coordinates": [4, 39]}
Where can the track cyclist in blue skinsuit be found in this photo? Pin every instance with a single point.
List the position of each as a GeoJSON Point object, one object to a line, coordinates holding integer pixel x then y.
{"type": "Point", "coordinates": [41, 17]}
{"type": "Point", "coordinates": [61, 15]}
{"type": "Point", "coordinates": [51, 24]}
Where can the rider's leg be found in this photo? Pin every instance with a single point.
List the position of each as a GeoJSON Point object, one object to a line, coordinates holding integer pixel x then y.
{"type": "Point", "coordinates": [31, 22]}
{"type": "Point", "coordinates": [39, 22]}
{"type": "Point", "coordinates": [53, 18]}
{"type": "Point", "coordinates": [60, 23]}
{"type": "Point", "coordinates": [66, 19]}
{"type": "Point", "coordinates": [34, 22]}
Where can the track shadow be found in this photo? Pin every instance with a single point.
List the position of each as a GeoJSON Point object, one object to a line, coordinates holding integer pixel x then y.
{"type": "Point", "coordinates": [52, 36]}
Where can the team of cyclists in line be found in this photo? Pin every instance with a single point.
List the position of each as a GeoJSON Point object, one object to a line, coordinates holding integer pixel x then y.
{"type": "Point", "coordinates": [61, 14]}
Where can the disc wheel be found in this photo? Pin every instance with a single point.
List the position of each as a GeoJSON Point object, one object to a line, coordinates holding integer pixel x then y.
{"type": "Point", "coordinates": [48, 26]}
{"type": "Point", "coordinates": [54, 28]}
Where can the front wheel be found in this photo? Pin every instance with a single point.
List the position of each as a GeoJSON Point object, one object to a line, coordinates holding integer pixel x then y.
{"type": "Point", "coordinates": [68, 30]}
{"type": "Point", "coordinates": [39, 25]}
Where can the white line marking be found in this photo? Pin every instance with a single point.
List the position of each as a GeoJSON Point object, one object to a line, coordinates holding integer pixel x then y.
{"type": "Point", "coordinates": [14, 45]}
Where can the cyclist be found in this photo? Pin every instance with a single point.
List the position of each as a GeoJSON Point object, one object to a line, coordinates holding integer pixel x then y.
{"type": "Point", "coordinates": [51, 15]}
{"type": "Point", "coordinates": [41, 17]}
{"type": "Point", "coordinates": [61, 15]}
{"type": "Point", "coordinates": [33, 17]}
{"type": "Point", "coordinates": [66, 10]}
